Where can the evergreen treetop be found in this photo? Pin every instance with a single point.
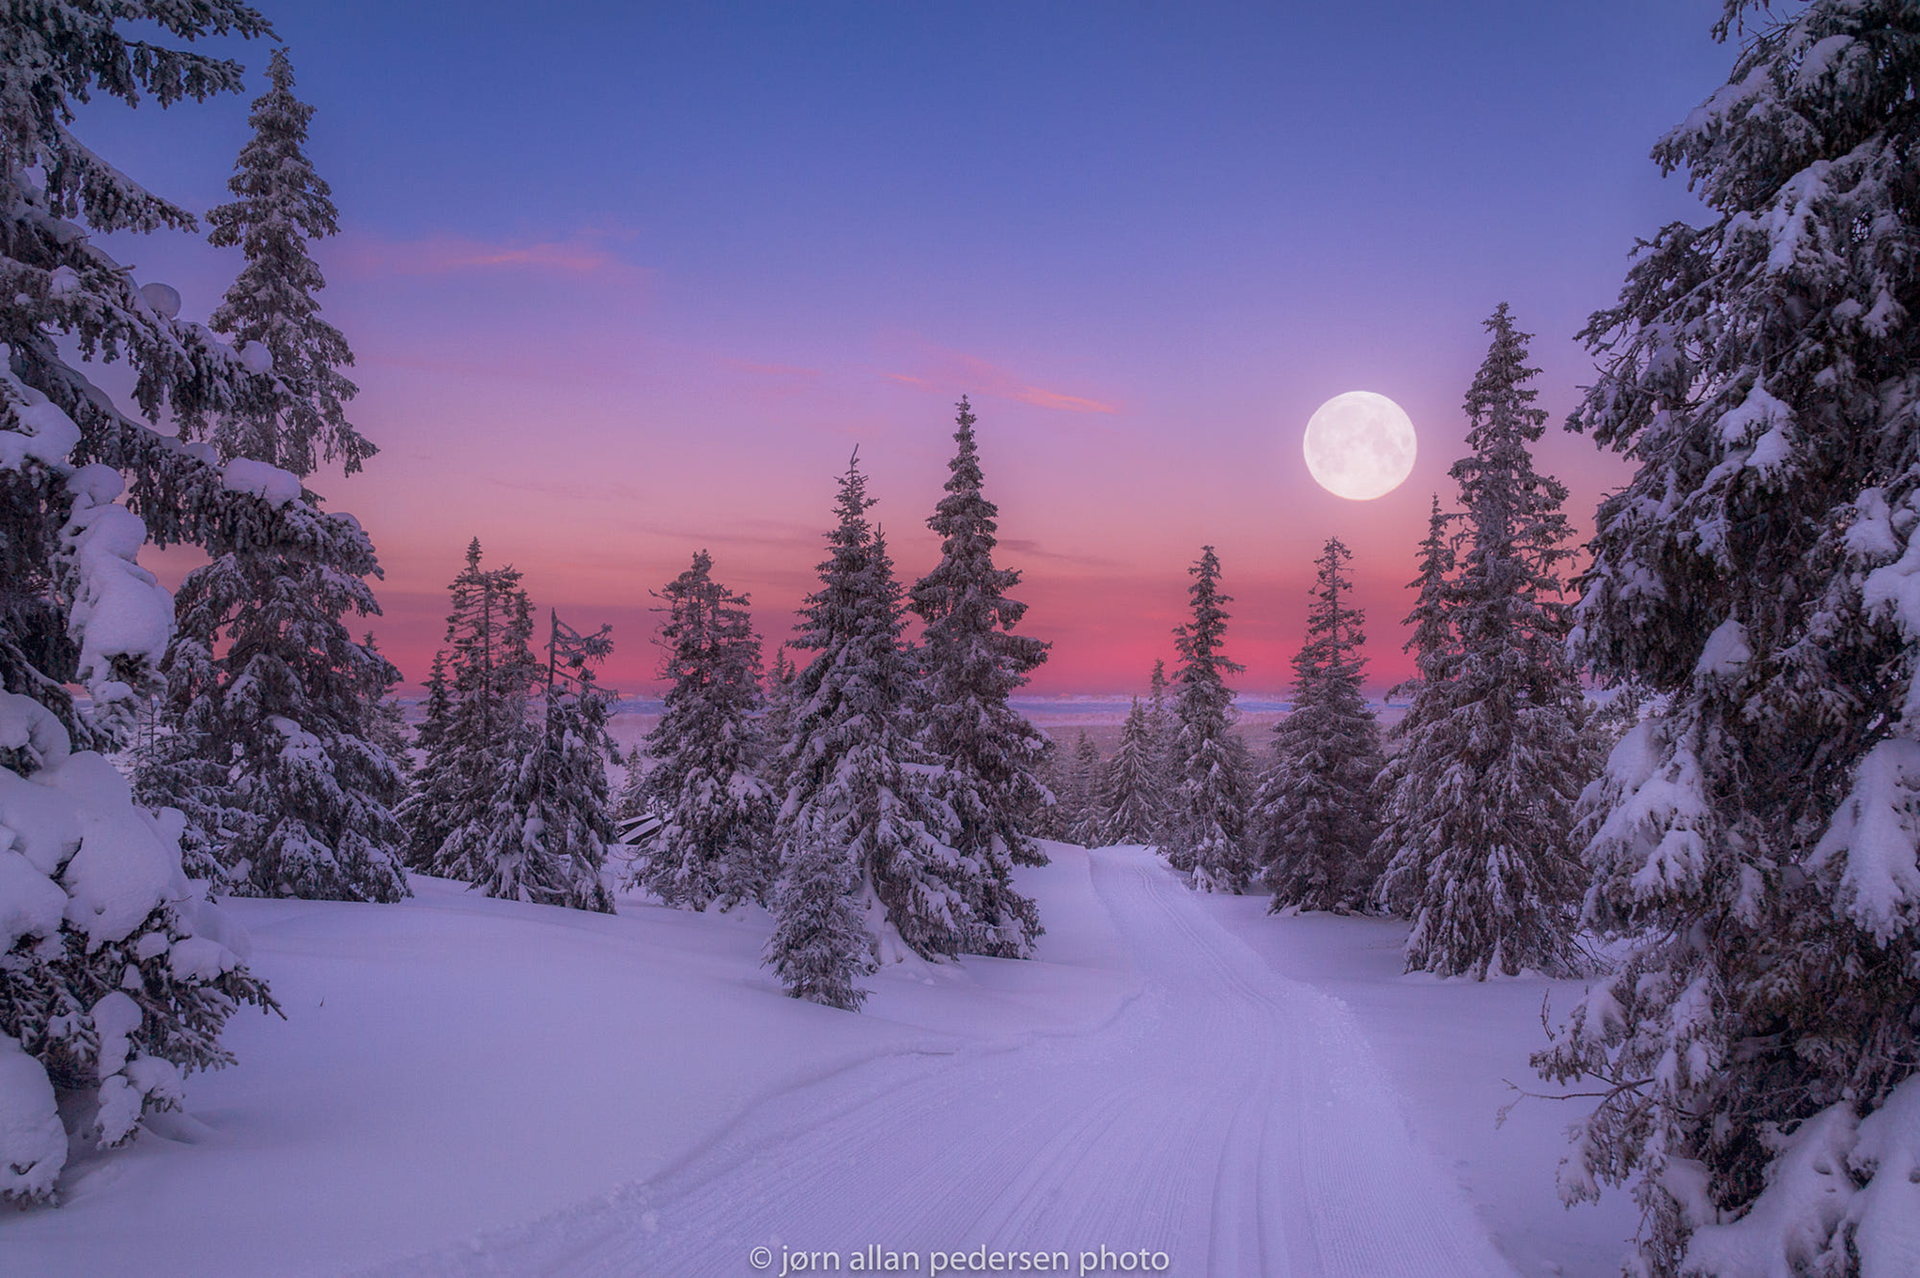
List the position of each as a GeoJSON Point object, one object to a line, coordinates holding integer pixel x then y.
{"type": "Point", "coordinates": [281, 203]}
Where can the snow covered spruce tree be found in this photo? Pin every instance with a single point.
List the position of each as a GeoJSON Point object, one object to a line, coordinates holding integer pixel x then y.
{"type": "Point", "coordinates": [1316, 809]}
{"type": "Point", "coordinates": [865, 876]}
{"type": "Point", "coordinates": [269, 747]}
{"type": "Point", "coordinates": [972, 662]}
{"type": "Point", "coordinates": [1408, 796]}
{"type": "Point", "coordinates": [633, 798]}
{"type": "Point", "coordinates": [1500, 761]}
{"type": "Point", "coordinates": [1207, 838]}
{"type": "Point", "coordinates": [1754, 837]}
{"type": "Point", "coordinates": [545, 840]}
{"type": "Point", "coordinates": [1163, 728]}
{"type": "Point", "coordinates": [512, 796]}
{"type": "Point", "coordinates": [477, 724]}
{"type": "Point", "coordinates": [1089, 780]}
{"type": "Point", "coordinates": [116, 977]}
{"type": "Point", "coordinates": [716, 844]}
{"type": "Point", "coordinates": [776, 723]}
{"type": "Point", "coordinates": [1136, 784]}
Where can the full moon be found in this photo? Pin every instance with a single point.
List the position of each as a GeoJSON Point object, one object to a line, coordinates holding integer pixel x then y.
{"type": "Point", "coordinates": [1359, 445]}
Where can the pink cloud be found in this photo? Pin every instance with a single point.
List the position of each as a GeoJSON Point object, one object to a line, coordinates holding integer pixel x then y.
{"type": "Point", "coordinates": [946, 372]}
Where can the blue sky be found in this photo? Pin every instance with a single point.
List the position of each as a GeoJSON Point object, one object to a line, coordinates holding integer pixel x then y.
{"type": "Point", "coordinates": [626, 280]}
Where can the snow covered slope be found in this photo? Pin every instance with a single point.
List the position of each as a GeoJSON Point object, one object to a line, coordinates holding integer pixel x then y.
{"type": "Point", "coordinates": [469, 1086]}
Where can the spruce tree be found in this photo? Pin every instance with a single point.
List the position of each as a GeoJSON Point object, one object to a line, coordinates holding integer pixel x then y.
{"type": "Point", "coordinates": [1753, 841]}
{"type": "Point", "coordinates": [433, 786]}
{"type": "Point", "coordinates": [1208, 835]}
{"type": "Point", "coordinates": [865, 876]}
{"type": "Point", "coordinates": [634, 798]}
{"type": "Point", "coordinates": [1407, 788]}
{"type": "Point", "coordinates": [544, 839]}
{"type": "Point", "coordinates": [278, 729]}
{"type": "Point", "coordinates": [1136, 785]}
{"type": "Point", "coordinates": [1089, 793]}
{"type": "Point", "coordinates": [777, 720]}
{"type": "Point", "coordinates": [116, 977]}
{"type": "Point", "coordinates": [1502, 761]}
{"type": "Point", "coordinates": [716, 844]}
{"type": "Point", "coordinates": [270, 750]}
{"type": "Point", "coordinates": [973, 663]}
{"type": "Point", "coordinates": [280, 204]}
{"type": "Point", "coordinates": [1317, 808]}
{"type": "Point", "coordinates": [478, 725]}
{"type": "Point", "coordinates": [1163, 729]}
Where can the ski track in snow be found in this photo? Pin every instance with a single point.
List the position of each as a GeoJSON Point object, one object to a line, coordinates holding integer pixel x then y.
{"type": "Point", "coordinates": [1227, 1116]}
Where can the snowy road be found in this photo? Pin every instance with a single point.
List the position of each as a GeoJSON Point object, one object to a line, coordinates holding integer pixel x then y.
{"type": "Point", "coordinates": [1226, 1117]}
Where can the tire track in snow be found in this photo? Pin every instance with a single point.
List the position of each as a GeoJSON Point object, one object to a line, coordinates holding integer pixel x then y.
{"type": "Point", "coordinates": [1227, 1116]}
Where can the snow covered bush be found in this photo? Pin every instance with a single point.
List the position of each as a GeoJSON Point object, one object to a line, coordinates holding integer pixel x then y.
{"type": "Point", "coordinates": [1754, 839]}
{"type": "Point", "coordinates": [115, 975]}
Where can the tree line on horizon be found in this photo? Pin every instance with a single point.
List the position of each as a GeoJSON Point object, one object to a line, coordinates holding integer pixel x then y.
{"type": "Point", "coordinates": [1749, 851]}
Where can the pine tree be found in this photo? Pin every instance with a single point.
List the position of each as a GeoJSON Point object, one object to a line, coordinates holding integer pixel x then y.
{"type": "Point", "coordinates": [1409, 806]}
{"type": "Point", "coordinates": [387, 725]}
{"type": "Point", "coordinates": [280, 204]}
{"type": "Point", "coordinates": [271, 751]}
{"type": "Point", "coordinates": [716, 844]}
{"type": "Point", "coordinates": [1163, 729]}
{"type": "Point", "coordinates": [433, 788]}
{"type": "Point", "coordinates": [1089, 793]}
{"type": "Point", "coordinates": [1502, 762]}
{"type": "Point", "coordinates": [1208, 836]}
{"type": "Point", "coordinates": [1136, 785]}
{"type": "Point", "coordinates": [1753, 841]}
{"type": "Point", "coordinates": [973, 662]}
{"type": "Point", "coordinates": [1058, 811]}
{"type": "Point", "coordinates": [635, 796]}
{"type": "Point", "coordinates": [478, 726]}
{"type": "Point", "coordinates": [864, 875]}
{"type": "Point", "coordinates": [1317, 808]}
{"type": "Point", "coordinates": [303, 804]}
{"type": "Point", "coordinates": [545, 837]}
{"type": "Point", "coordinates": [776, 724]}
{"type": "Point", "coordinates": [115, 976]}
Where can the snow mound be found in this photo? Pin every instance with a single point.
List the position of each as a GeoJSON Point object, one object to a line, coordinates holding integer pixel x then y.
{"type": "Point", "coordinates": [33, 1144]}
{"type": "Point", "coordinates": [42, 432]}
{"type": "Point", "coordinates": [162, 299]}
{"type": "Point", "coordinates": [120, 610]}
{"type": "Point", "coordinates": [243, 475]}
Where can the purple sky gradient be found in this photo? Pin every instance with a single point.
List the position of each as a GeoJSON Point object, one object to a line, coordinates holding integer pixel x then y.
{"type": "Point", "coordinates": [628, 281]}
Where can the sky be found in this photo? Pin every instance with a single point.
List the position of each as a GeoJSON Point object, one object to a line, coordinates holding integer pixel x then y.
{"type": "Point", "coordinates": [626, 281]}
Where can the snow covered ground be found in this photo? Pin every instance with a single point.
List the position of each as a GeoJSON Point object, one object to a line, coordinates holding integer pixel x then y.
{"type": "Point", "coordinates": [466, 1086]}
